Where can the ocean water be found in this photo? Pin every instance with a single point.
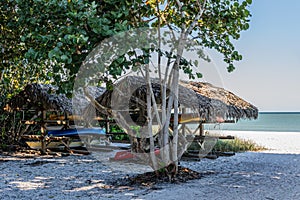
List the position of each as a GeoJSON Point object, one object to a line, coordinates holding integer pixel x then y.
{"type": "Point", "coordinates": [267, 121]}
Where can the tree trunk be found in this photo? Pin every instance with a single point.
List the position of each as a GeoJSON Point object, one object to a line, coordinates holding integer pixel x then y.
{"type": "Point", "coordinates": [175, 83]}
{"type": "Point", "coordinates": [150, 120]}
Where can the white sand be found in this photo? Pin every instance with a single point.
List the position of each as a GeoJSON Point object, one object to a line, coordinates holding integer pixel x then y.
{"type": "Point", "coordinates": [274, 174]}
{"type": "Point", "coordinates": [277, 142]}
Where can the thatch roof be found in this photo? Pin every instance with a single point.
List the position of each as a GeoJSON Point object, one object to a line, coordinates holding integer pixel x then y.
{"type": "Point", "coordinates": [236, 107]}
{"type": "Point", "coordinates": [41, 97]}
{"type": "Point", "coordinates": [209, 101]}
{"type": "Point", "coordinates": [44, 97]}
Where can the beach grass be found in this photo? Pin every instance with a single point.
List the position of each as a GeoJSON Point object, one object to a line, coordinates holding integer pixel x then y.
{"type": "Point", "coordinates": [237, 145]}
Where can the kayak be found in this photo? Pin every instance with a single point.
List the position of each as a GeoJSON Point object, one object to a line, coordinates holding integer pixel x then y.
{"type": "Point", "coordinates": [77, 132]}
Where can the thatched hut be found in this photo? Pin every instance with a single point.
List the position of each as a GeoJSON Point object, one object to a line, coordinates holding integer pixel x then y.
{"type": "Point", "coordinates": [199, 102]}
{"type": "Point", "coordinates": [208, 101]}
{"type": "Point", "coordinates": [44, 97]}
{"type": "Point", "coordinates": [40, 97]}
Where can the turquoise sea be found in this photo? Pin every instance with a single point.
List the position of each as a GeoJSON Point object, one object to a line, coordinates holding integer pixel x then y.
{"type": "Point", "coordinates": [268, 121]}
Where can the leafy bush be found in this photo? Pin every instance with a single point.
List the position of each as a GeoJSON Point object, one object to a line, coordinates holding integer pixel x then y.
{"type": "Point", "coordinates": [119, 137]}
{"type": "Point", "coordinates": [237, 145]}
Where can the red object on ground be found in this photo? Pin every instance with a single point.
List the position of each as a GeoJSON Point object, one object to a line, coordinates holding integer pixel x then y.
{"type": "Point", "coordinates": [123, 155]}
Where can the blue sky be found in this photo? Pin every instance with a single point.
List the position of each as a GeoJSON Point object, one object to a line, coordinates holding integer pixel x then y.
{"type": "Point", "coordinates": [269, 74]}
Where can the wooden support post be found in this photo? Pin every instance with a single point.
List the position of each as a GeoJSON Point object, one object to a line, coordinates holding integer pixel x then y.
{"type": "Point", "coordinates": [66, 120]}
{"type": "Point", "coordinates": [43, 133]}
{"type": "Point", "coordinates": [201, 129]}
{"type": "Point", "coordinates": [66, 143]}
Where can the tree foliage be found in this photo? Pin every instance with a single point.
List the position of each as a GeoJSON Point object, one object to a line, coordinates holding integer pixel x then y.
{"type": "Point", "coordinates": [220, 23]}
{"type": "Point", "coordinates": [48, 40]}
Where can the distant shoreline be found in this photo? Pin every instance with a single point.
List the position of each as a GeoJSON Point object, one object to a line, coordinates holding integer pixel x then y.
{"type": "Point", "coordinates": [268, 131]}
{"type": "Point", "coordinates": [278, 112]}
{"type": "Point", "coordinates": [269, 122]}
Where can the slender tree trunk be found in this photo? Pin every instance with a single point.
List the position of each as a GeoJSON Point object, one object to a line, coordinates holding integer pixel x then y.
{"type": "Point", "coordinates": [150, 120]}
{"type": "Point", "coordinates": [169, 151]}
{"type": "Point", "coordinates": [175, 83]}
{"type": "Point", "coordinates": [175, 126]}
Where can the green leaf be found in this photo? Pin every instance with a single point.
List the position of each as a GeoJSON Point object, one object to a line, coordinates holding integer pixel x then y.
{"type": "Point", "coordinates": [196, 63]}
{"type": "Point", "coordinates": [69, 60]}
{"type": "Point", "coordinates": [51, 54]}
{"type": "Point", "coordinates": [199, 75]}
{"type": "Point", "coordinates": [230, 68]}
{"type": "Point", "coordinates": [64, 57]}
{"type": "Point", "coordinates": [59, 44]}
{"type": "Point", "coordinates": [23, 39]}
{"type": "Point", "coordinates": [246, 26]}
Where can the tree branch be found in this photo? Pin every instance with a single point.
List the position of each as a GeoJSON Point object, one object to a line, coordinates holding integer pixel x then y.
{"type": "Point", "coordinates": [97, 105]}
{"type": "Point", "coordinates": [198, 16]}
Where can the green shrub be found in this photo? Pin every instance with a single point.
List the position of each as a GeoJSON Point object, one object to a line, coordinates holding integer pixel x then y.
{"type": "Point", "coordinates": [237, 145]}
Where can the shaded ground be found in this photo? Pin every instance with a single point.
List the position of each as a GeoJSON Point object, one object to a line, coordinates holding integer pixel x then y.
{"type": "Point", "coordinates": [244, 176]}
{"type": "Point", "coordinates": [150, 179]}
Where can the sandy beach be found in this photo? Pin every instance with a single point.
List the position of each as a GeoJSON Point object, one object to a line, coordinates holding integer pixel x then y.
{"type": "Point", "coordinates": [272, 174]}
{"type": "Point", "coordinates": [276, 142]}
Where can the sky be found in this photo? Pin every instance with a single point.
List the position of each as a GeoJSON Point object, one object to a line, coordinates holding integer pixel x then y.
{"type": "Point", "coordinates": [269, 74]}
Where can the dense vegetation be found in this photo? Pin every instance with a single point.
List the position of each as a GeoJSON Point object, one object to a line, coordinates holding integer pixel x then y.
{"type": "Point", "coordinates": [47, 41]}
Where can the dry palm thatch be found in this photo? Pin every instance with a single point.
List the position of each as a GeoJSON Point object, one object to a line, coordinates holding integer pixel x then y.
{"type": "Point", "coordinates": [210, 102]}
{"type": "Point", "coordinates": [41, 97]}
{"type": "Point", "coordinates": [44, 97]}
{"type": "Point", "coordinates": [236, 107]}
